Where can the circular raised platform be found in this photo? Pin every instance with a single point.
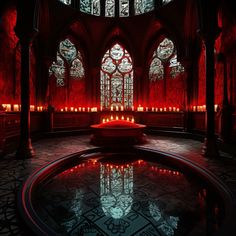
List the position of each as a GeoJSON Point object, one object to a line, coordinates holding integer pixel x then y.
{"type": "Point", "coordinates": [118, 132]}
{"type": "Point", "coordinates": [95, 191]}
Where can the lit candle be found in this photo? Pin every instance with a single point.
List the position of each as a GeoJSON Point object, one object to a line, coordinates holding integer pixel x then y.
{"type": "Point", "coordinates": [103, 120]}
{"type": "Point", "coordinates": [174, 108]}
{"type": "Point", "coordinates": [111, 117]}
{"type": "Point", "coordinates": [170, 108]}
{"type": "Point", "coordinates": [122, 108]}
{"type": "Point", "coordinates": [152, 108]}
{"type": "Point", "coordinates": [204, 107]}
{"type": "Point", "coordinates": [156, 109]}
{"type": "Point", "coordinates": [15, 107]}
{"type": "Point", "coordinates": [101, 108]}
{"type": "Point", "coordinates": [41, 108]}
{"type": "Point", "coordinates": [122, 118]}
{"type": "Point", "coordinates": [160, 109]}
{"type": "Point", "coordinates": [83, 109]}
{"type": "Point", "coordinates": [164, 108]}
{"type": "Point", "coordinates": [107, 119]}
{"type": "Point", "coordinates": [215, 107]}
{"type": "Point", "coordinates": [79, 108]}
{"type": "Point", "coordinates": [76, 110]}
{"type": "Point", "coordinates": [61, 109]}
{"type": "Point", "coordinates": [88, 109]}
{"type": "Point", "coordinates": [132, 120]}
{"type": "Point", "coordinates": [66, 109]}
{"type": "Point", "coordinates": [146, 108]}
{"type": "Point", "coordinates": [132, 108]}
{"type": "Point", "coordinates": [72, 109]}
{"type": "Point", "coordinates": [111, 108]}
{"type": "Point", "coordinates": [127, 118]}
{"type": "Point", "coordinates": [194, 108]}
{"type": "Point", "coordinates": [31, 107]}
{"type": "Point", "coordinates": [117, 108]}
{"type": "Point", "coordinates": [177, 109]}
{"type": "Point", "coordinates": [117, 118]}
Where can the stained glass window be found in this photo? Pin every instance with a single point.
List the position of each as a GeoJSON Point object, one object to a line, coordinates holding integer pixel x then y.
{"type": "Point", "coordinates": [67, 53]}
{"type": "Point", "coordinates": [58, 69]}
{"type": "Point", "coordinates": [110, 8]}
{"type": "Point", "coordinates": [67, 2]}
{"type": "Point", "coordinates": [142, 6]}
{"type": "Point", "coordinates": [85, 6]}
{"type": "Point", "coordinates": [165, 49]}
{"type": "Point", "coordinates": [165, 52]}
{"type": "Point", "coordinates": [124, 7]}
{"type": "Point", "coordinates": [116, 81]}
{"type": "Point", "coordinates": [67, 50]}
{"type": "Point", "coordinates": [96, 8]}
{"type": "Point", "coordinates": [176, 67]}
{"type": "Point", "coordinates": [166, 1]}
{"type": "Point", "coordinates": [156, 71]}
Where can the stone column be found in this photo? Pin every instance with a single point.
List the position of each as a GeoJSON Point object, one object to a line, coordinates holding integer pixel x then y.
{"type": "Point", "coordinates": [208, 29]}
{"type": "Point", "coordinates": [26, 29]}
{"type": "Point", "coordinates": [224, 118]}
{"type": "Point", "coordinates": [25, 149]}
{"type": "Point", "coordinates": [209, 148]}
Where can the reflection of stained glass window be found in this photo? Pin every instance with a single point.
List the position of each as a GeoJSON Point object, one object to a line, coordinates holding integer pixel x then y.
{"type": "Point", "coordinates": [176, 67]}
{"type": "Point", "coordinates": [116, 190]}
{"type": "Point", "coordinates": [142, 6]}
{"type": "Point", "coordinates": [168, 223]}
{"type": "Point", "coordinates": [67, 53]}
{"type": "Point", "coordinates": [116, 82]}
{"type": "Point", "coordinates": [67, 2]}
{"type": "Point", "coordinates": [110, 8]}
{"type": "Point", "coordinates": [124, 7]}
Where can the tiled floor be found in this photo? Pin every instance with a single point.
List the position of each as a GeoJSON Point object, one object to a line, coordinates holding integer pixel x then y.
{"type": "Point", "coordinates": [13, 171]}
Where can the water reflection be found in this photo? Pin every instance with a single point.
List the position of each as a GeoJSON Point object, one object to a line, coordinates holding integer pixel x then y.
{"type": "Point", "coordinates": [139, 198]}
{"type": "Point", "coordinates": [116, 190]}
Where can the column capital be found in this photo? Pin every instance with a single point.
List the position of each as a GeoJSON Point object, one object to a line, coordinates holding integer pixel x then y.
{"type": "Point", "coordinates": [27, 19]}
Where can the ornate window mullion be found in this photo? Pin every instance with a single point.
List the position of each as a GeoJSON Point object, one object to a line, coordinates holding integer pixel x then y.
{"type": "Point", "coordinates": [67, 81]}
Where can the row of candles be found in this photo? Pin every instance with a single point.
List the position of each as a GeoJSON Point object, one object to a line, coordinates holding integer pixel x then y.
{"type": "Point", "coordinates": [203, 108]}
{"type": "Point", "coordinates": [17, 107]}
{"type": "Point", "coordinates": [111, 118]}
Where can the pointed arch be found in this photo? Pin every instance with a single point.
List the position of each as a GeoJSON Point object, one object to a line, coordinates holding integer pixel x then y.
{"type": "Point", "coordinates": [116, 78]}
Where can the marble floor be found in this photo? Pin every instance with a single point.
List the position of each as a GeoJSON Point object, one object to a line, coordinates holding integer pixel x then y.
{"type": "Point", "coordinates": [14, 172]}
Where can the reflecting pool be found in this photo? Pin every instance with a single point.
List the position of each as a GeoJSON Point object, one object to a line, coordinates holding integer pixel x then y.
{"type": "Point", "coordinates": [102, 195]}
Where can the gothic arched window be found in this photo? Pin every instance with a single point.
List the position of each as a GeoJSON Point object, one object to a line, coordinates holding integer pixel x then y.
{"type": "Point", "coordinates": [116, 81]}
{"type": "Point", "coordinates": [67, 2]}
{"type": "Point", "coordinates": [68, 54]}
{"type": "Point", "coordinates": [142, 6]}
{"type": "Point", "coordinates": [164, 53]}
{"type": "Point", "coordinates": [124, 8]}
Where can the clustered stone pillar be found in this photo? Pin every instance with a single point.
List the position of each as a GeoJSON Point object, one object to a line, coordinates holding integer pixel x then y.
{"type": "Point", "coordinates": [208, 28]}
{"type": "Point", "coordinates": [209, 148]}
{"type": "Point", "coordinates": [26, 29]}
{"type": "Point", "coordinates": [25, 149]}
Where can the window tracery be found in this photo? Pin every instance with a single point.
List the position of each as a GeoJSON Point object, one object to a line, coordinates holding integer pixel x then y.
{"type": "Point", "coordinates": [67, 54]}
{"type": "Point", "coordinates": [116, 82]}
